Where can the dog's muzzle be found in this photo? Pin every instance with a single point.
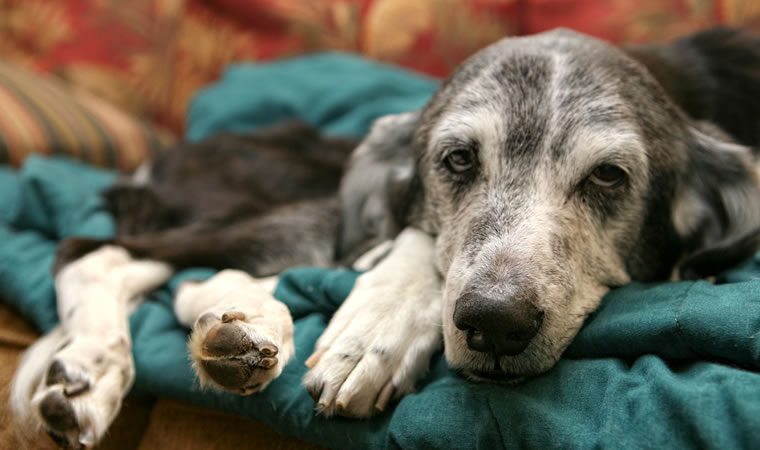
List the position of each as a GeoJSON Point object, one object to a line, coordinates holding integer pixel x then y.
{"type": "Point", "coordinates": [503, 326]}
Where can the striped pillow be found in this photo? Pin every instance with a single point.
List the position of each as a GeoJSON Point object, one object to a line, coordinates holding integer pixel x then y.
{"type": "Point", "coordinates": [41, 114]}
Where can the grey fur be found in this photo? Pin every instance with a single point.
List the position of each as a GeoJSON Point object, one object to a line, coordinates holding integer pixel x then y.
{"type": "Point", "coordinates": [373, 189]}
{"type": "Point", "coordinates": [539, 114]}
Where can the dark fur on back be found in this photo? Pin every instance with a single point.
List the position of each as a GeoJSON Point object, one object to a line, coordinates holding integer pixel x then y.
{"type": "Point", "coordinates": [233, 202]}
{"type": "Point", "coordinates": [713, 76]}
{"type": "Point", "coordinates": [227, 177]}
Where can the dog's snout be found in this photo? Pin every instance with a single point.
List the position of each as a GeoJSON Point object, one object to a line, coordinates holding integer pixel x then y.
{"type": "Point", "coordinates": [502, 326]}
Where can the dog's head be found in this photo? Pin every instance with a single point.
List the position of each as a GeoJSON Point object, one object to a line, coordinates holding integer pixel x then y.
{"type": "Point", "coordinates": [553, 168]}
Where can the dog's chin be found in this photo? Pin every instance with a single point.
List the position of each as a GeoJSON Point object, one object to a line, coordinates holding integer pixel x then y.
{"type": "Point", "coordinates": [490, 373]}
{"type": "Point", "coordinates": [489, 376]}
{"type": "Point", "coordinates": [536, 359]}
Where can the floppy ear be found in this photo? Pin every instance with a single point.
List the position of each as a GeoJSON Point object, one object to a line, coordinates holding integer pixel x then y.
{"type": "Point", "coordinates": [375, 188]}
{"type": "Point", "coordinates": [717, 208]}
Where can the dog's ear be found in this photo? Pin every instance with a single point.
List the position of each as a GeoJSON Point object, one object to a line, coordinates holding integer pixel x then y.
{"type": "Point", "coordinates": [374, 191]}
{"type": "Point", "coordinates": [717, 208]}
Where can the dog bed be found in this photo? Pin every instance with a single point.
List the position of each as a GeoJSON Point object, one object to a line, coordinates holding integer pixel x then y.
{"type": "Point", "coordinates": [658, 365]}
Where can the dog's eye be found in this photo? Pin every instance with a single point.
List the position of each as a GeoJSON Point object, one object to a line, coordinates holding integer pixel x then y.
{"type": "Point", "coordinates": [459, 161]}
{"type": "Point", "coordinates": [608, 175]}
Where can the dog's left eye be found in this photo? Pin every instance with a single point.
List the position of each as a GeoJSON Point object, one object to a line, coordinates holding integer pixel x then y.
{"type": "Point", "coordinates": [459, 161]}
{"type": "Point", "coordinates": [607, 175]}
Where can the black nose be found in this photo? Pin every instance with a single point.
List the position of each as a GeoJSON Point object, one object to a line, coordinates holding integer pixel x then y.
{"type": "Point", "coordinates": [502, 326]}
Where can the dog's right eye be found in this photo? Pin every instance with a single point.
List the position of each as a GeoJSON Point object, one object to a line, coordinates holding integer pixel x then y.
{"type": "Point", "coordinates": [608, 175]}
{"type": "Point", "coordinates": [459, 161]}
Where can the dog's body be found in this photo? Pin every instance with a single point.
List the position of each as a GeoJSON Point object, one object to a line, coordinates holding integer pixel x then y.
{"type": "Point", "coordinates": [546, 171]}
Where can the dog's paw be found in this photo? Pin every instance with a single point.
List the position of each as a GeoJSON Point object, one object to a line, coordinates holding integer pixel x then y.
{"type": "Point", "coordinates": [377, 346]}
{"type": "Point", "coordinates": [243, 342]}
{"type": "Point", "coordinates": [82, 390]}
{"type": "Point", "coordinates": [235, 355]}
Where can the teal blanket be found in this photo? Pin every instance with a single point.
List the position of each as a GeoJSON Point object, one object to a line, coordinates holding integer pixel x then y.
{"type": "Point", "coordinates": [658, 365]}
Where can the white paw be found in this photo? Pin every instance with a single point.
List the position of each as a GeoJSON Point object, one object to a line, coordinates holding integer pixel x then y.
{"type": "Point", "coordinates": [376, 347]}
{"type": "Point", "coordinates": [72, 383]}
{"type": "Point", "coordinates": [242, 342]}
{"type": "Point", "coordinates": [82, 389]}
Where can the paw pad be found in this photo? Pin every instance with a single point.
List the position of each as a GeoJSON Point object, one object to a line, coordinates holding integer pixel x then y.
{"type": "Point", "coordinates": [58, 413]}
{"type": "Point", "coordinates": [226, 339]}
{"type": "Point", "coordinates": [229, 373]}
{"type": "Point", "coordinates": [231, 359]}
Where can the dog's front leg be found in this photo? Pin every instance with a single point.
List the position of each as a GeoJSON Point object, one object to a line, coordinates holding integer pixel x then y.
{"type": "Point", "coordinates": [380, 341]}
{"type": "Point", "coordinates": [242, 336]}
{"type": "Point", "coordinates": [71, 383]}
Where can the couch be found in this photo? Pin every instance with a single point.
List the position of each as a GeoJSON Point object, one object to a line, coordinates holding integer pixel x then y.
{"type": "Point", "coordinates": [131, 68]}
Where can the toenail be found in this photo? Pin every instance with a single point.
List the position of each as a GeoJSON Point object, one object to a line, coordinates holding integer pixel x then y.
{"type": "Point", "coordinates": [267, 363]}
{"type": "Point", "coordinates": [232, 315]}
{"type": "Point", "coordinates": [385, 396]}
{"type": "Point", "coordinates": [76, 387]}
{"type": "Point", "coordinates": [312, 360]}
{"type": "Point", "coordinates": [202, 320]}
{"type": "Point", "coordinates": [268, 350]}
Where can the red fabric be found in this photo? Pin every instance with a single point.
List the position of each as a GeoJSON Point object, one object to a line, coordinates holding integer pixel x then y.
{"type": "Point", "coordinates": [589, 16]}
{"type": "Point", "coordinates": [150, 56]}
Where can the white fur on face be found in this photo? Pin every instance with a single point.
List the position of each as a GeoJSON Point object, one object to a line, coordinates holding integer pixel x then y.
{"type": "Point", "coordinates": [523, 212]}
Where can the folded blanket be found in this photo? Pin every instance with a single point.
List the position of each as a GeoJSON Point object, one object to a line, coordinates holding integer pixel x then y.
{"type": "Point", "coordinates": [658, 365]}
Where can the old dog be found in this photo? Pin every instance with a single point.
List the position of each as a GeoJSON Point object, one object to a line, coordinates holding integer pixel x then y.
{"type": "Point", "coordinates": [547, 170]}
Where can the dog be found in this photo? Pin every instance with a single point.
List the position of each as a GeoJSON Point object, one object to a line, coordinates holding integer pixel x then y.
{"type": "Point", "coordinates": [546, 171]}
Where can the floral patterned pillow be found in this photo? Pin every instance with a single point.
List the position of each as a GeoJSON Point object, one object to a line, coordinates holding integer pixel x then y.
{"type": "Point", "coordinates": [149, 57]}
